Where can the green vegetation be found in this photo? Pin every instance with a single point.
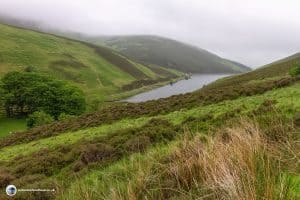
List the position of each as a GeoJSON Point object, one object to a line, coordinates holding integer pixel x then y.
{"type": "Point", "coordinates": [101, 73]}
{"type": "Point", "coordinates": [199, 118]}
{"type": "Point", "coordinates": [10, 125]}
{"type": "Point", "coordinates": [64, 116]}
{"type": "Point", "coordinates": [69, 138]}
{"type": "Point", "coordinates": [240, 168]}
{"type": "Point", "coordinates": [39, 118]}
{"type": "Point", "coordinates": [101, 148]}
{"type": "Point", "coordinates": [237, 138]}
{"type": "Point", "coordinates": [26, 92]}
{"type": "Point", "coordinates": [154, 50]}
{"type": "Point", "coordinates": [110, 114]}
{"type": "Point", "coordinates": [98, 71]}
{"type": "Point", "coordinates": [295, 71]}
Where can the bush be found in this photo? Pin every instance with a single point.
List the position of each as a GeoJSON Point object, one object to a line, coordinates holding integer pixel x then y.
{"type": "Point", "coordinates": [97, 152]}
{"type": "Point", "coordinates": [295, 71]}
{"type": "Point", "coordinates": [64, 116]}
{"type": "Point", "coordinates": [39, 118]}
{"type": "Point", "coordinates": [45, 162]}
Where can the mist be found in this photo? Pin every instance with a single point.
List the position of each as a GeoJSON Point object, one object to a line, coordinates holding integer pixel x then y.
{"type": "Point", "coordinates": [254, 32]}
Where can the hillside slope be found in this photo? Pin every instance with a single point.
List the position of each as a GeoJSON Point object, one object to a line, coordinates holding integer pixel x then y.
{"type": "Point", "coordinates": [170, 53]}
{"type": "Point", "coordinates": [145, 150]}
{"type": "Point", "coordinates": [271, 71]}
{"type": "Point", "coordinates": [258, 81]}
{"type": "Point", "coordinates": [98, 71]}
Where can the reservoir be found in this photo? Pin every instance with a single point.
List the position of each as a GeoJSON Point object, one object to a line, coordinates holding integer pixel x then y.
{"type": "Point", "coordinates": [196, 82]}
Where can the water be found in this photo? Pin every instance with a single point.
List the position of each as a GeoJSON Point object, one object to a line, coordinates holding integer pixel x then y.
{"type": "Point", "coordinates": [196, 82]}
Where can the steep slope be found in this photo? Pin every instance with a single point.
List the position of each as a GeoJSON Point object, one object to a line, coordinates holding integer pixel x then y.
{"type": "Point", "coordinates": [99, 71]}
{"type": "Point", "coordinates": [170, 53]}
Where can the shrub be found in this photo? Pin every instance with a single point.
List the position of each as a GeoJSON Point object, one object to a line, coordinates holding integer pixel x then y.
{"type": "Point", "coordinates": [64, 116]}
{"type": "Point", "coordinates": [39, 118]}
{"type": "Point", "coordinates": [295, 71]}
{"type": "Point", "coordinates": [97, 152]}
{"type": "Point", "coordinates": [44, 162]}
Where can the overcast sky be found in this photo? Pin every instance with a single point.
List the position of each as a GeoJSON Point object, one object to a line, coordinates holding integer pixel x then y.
{"type": "Point", "coordinates": [253, 32]}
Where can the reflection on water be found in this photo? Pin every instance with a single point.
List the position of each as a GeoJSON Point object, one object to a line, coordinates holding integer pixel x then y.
{"type": "Point", "coordinates": [196, 82]}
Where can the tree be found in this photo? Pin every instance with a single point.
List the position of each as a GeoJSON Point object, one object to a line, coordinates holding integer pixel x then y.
{"type": "Point", "coordinates": [24, 93]}
{"type": "Point", "coordinates": [39, 118]}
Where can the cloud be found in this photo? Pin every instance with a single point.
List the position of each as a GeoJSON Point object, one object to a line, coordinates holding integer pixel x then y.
{"type": "Point", "coordinates": [253, 32]}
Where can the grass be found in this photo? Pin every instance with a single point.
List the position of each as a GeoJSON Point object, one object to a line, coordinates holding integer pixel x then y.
{"type": "Point", "coordinates": [184, 147]}
{"type": "Point", "coordinates": [269, 72]}
{"type": "Point", "coordinates": [123, 174]}
{"type": "Point", "coordinates": [244, 166]}
{"type": "Point", "coordinates": [96, 182]}
{"type": "Point", "coordinates": [288, 100]}
{"type": "Point", "coordinates": [9, 125]}
{"type": "Point", "coordinates": [98, 71]}
{"type": "Point", "coordinates": [69, 138]}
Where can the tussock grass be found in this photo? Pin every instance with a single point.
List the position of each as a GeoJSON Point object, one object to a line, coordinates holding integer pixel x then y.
{"type": "Point", "coordinates": [240, 162]}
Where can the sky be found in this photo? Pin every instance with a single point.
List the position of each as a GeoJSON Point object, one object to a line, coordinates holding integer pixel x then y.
{"type": "Point", "coordinates": [253, 32]}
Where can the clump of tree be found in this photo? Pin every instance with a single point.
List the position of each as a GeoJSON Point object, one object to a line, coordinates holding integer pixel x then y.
{"type": "Point", "coordinates": [23, 93]}
{"type": "Point", "coordinates": [295, 71]}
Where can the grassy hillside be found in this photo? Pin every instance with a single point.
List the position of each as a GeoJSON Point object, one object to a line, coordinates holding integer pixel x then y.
{"type": "Point", "coordinates": [170, 53]}
{"type": "Point", "coordinates": [98, 71]}
{"type": "Point", "coordinates": [226, 141]}
{"type": "Point", "coordinates": [272, 71]}
{"type": "Point", "coordinates": [255, 82]}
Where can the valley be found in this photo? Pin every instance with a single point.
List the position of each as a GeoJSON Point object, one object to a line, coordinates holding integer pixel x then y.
{"type": "Point", "coordinates": [98, 71]}
{"type": "Point", "coordinates": [228, 132]}
{"type": "Point", "coordinates": [271, 102]}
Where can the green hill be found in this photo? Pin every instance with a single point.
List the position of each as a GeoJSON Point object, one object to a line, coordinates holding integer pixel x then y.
{"type": "Point", "coordinates": [255, 82]}
{"type": "Point", "coordinates": [271, 71]}
{"type": "Point", "coordinates": [98, 71]}
{"type": "Point", "coordinates": [236, 138]}
{"type": "Point", "coordinates": [169, 53]}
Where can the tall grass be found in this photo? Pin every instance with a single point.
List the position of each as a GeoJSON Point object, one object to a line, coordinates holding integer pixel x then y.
{"type": "Point", "coordinates": [240, 163]}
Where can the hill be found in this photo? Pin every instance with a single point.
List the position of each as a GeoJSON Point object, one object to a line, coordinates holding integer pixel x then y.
{"type": "Point", "coordinates": [255, 82]}
{"type": "Point", "coordinates": [271, 71]}
{"type": "Point", "coordinates": [100, 72]}
{"type": "Point", "coordinates": [150, 50]}
{"type": "Point", "coordinates": [226, 140]}
{"type": "Point", "coordinates": [170, 53]}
